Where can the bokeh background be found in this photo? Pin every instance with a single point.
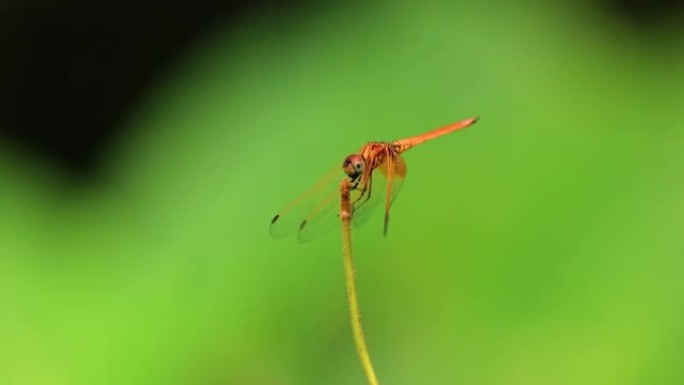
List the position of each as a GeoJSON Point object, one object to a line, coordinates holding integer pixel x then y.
{"type": "Point", "coordinates": [146, 146]}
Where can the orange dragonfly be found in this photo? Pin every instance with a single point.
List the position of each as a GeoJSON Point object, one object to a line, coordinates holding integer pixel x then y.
{"type": "Point", "coordinates": [316, 211]}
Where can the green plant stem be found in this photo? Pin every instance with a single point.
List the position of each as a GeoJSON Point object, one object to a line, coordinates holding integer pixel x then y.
{"type": "Point", "coordinates": [350, 278]}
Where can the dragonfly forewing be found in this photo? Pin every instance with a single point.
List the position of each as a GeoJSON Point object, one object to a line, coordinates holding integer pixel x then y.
{"type": "Point", "coordinates": [310, 208]}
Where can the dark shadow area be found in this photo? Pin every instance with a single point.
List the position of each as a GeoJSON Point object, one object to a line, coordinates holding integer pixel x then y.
{"type": "Point", "coordinates": [647, 16]}
{"type": "Point", "coordinates": [71, 69]}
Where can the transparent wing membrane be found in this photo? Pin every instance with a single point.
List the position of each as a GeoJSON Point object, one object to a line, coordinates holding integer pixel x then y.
{"type": "Point", "coordinates": [316, 212]}
{"type": "Point", "coordinates": [310, 208]}
{"type": "Point", "coordinates": [323, 218]}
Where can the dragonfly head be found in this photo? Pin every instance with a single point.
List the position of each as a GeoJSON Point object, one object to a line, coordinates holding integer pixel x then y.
{"type": "Point", "coordinates": [354, 165]}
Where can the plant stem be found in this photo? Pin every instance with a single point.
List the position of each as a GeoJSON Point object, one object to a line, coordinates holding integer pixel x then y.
{"type": "Point", "coordinates": [350, 278]}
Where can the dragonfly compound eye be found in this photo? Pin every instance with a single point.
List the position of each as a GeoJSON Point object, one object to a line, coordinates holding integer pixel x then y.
{"type": "Point", "coordinates": [354, 165]}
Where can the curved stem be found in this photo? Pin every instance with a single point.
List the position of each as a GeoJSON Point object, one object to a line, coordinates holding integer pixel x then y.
{"type": "Point", "coordinates": [350, 278]}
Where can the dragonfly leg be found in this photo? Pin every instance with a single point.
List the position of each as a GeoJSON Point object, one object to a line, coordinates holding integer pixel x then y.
{"type": "Point", "coordinates": [388, 198]}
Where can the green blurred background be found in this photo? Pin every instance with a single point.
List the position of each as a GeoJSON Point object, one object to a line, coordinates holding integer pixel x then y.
{"type": "Point", "coordinates": [541, 246]}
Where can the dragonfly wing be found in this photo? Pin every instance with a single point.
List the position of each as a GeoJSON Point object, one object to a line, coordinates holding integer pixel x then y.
{"type": "Point", "coordinates": [323, 218]}
{"type": "Point", "coordinates": [310, 210]}
{"type": "Point", "coordinates": [377, 188]}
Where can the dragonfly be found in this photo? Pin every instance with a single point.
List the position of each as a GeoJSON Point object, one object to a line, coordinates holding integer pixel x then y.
{"type": "Point", "coordinates": [376, 171]}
